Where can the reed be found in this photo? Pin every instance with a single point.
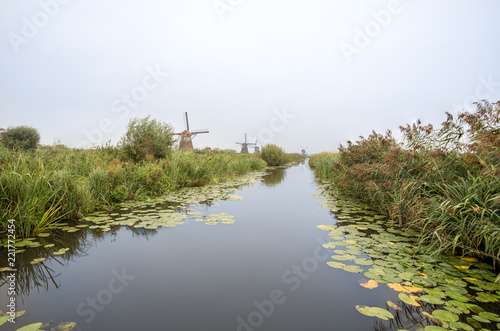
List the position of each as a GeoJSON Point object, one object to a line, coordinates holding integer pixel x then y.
{"type": "Point", "coordinates": [444, 182]}
{"type": "Point", "coordinates": [40, 188]}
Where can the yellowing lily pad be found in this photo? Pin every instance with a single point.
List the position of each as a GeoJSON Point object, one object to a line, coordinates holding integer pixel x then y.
{"type": "Point", "coordinates": [410, 300]}
{"type": "Point", "coordinates": [65, 326]}
{"type": "Point", "coordinates": [371, 284]}
{"type": "Point", "coordinates": [393, 305]}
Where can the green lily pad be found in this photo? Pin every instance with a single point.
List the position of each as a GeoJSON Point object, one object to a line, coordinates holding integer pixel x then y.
{"type": "Point", "coordinates": [4, 319]}
{"type": "Point", "coordinates": [458, 297]}
{"type": "Point", "coordinates": [486, 297]}
{"type": "Point", "coordinates": [435, 300]}
{"type": "Point", "coordinates": [36, 261]}
{"type": "Point", "coordinates": [336, 265]}
{"type": "Point", "coordinates": [489, 316]}
{"type": "Point", "coordinates": [353, 269]}
{"type": "Point", "coordinates": [481, 319]}
{"type": "Point", "coordinates": [460, 325]}
{"type": "Point", "coordinates": [444, 315]}
{"type": "Point", "coordinates": [61, 251]}
{"type": "Point", "coordinates": [434, 328]}
{"type": "Point", "coordinates": [375, 312]}
{"type": "Point", "coordinates": [49, 245]}
{"type": "Point", "coordinates": [31, 327]}
{"type": "Point", "coordinates": [363, 261]}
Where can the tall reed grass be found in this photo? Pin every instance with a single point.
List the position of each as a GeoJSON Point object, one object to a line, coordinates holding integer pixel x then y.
{"type": "Point", "coordinates": [444, 182]}
{"type": "Point", "coordinates": [40, 188]}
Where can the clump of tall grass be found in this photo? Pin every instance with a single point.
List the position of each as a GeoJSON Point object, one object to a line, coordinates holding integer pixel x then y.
{"type": "Point", "coordinates": [322, 163]}
{"type": "Point", "coordinates": [445, 182]}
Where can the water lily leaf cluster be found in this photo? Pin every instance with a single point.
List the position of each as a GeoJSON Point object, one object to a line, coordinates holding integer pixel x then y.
{"type": "Point", "coordinates": [447, 290]}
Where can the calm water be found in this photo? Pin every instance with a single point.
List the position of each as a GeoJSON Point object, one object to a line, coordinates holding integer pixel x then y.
{"type": "Point", "coordinates": [206, 277]}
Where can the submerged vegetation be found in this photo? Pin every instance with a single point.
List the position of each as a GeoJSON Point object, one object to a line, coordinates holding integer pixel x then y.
{"type": "Point", "coordinates": [444, 182]}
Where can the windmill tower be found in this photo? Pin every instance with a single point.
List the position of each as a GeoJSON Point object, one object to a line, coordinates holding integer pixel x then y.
{"type": "Point", "coordinates": [244, 146]}
{"type": "Point", "coordinates": [256, 148]}
{"type": "Point", "coordinates": [304, 151]}
{"type": "Point", "coordinates": [187, 136]}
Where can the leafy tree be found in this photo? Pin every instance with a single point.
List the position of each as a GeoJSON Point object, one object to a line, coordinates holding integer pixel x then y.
{"type": "Point", "coordinates": [146, 138]}
{"type": "Point", "coordinates": [20, 137]}
{"type": "Point", "coordinates": [273, 155]}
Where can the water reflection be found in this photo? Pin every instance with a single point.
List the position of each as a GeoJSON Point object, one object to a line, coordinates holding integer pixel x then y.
{"type": "Point", "coordinates": [41, 276]}
{"type": "Point", "coordinates": [275, 177]}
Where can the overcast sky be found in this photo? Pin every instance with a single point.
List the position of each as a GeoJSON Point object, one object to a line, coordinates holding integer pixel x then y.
{"type": "Point", "coordinates": [297, 73]}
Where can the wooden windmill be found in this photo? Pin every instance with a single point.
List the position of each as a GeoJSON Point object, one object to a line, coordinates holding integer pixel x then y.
{"type": "Point", "coordinates": [304, 151]}
{"type": "Point", "coordinates": [245, 145]}
{"type": "Point", "coordinates": [187, 136]}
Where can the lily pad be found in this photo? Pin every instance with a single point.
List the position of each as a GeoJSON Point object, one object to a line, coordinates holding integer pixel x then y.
{"type": "Point", "coordinates": [435, 300]}
{"type": "Point", "coordinates": [410, 300]}
{"type": "Point", "coordinates": [370, 284]}
{"type": "Point", "coordinates": [31, 327]}
{"type": "Point", "coordinates": [375, 312]}
{"type": "Point", "coordinates": [458, 297]}
{"type": "Point", "coordinates": [444, 315]}
{"type": "Point", "coordinates": [460, 325]}
{"type": "Point", "coordinates": [393, 305]}
{"type": "Point", "coordinates": [489, 316]}
{"type": "Point", "coordinates": [65, 326]}
{"type": "Point", "coordinates": [336, 265]}
{"type": "Point", "coordinates": [353, 269]}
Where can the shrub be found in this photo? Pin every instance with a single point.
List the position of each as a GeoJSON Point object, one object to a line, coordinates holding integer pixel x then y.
{"type": "Point", "coordinates": [273, 155]}
{"type": "Point", "coordinates": [21, 137]}
{"type": "Point", "coordinates": [147, 137]}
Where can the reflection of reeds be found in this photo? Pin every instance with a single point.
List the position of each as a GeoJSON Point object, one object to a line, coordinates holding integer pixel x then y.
{"type": "Point", "coordinates": [443, 182]}
{"type": "Point", "coordinates": [40, 275]}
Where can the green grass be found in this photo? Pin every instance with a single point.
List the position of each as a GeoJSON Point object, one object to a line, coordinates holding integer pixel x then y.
{"type": "Point", "coordinates": [444, 182]}
{"type": "Point", "coordinates": [54, 183]}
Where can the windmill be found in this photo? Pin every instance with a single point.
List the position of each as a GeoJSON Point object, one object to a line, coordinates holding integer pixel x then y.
{"type": "Point", "coordinates": [256, 148]}
{"type": "Point", "coordinates": [304, 151]}
{"type": "Point", "coordinates": [244, 146]}
{"type": "Point", "coordinates": [187, 136]}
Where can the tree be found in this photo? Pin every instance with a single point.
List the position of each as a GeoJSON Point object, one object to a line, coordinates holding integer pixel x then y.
{"type": "Point", "coordinates": [147, 137]}
{"type": "Point", "coordinates": [20, 137]}
{"type": "Point", "coordinates": [273, 155]}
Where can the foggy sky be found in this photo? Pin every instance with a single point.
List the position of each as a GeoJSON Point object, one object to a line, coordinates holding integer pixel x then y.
{"type": "Point", "coordinates": [296, 73]}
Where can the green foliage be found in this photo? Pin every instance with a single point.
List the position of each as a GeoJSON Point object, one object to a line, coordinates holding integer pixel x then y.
{"type": "Point", "coordinates": [274, 155]}
{"type": "Point", "coordinates": [323, 163]}
{"type": "Point", "coordinates": [20, 137]}
{"type": "Point", "coordinates": [147, 138]}
{"type": "Point", "coordinates": [54, 183]}
{"type": "Point", "coordinates": [444, 182]}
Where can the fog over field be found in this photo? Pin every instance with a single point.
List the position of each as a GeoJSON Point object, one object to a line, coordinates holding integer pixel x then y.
{"type": "Point", "coordinates": [295, 73]}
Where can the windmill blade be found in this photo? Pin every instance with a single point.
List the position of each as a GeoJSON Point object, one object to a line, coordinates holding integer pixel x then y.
{"type": "Point", "coordinates": [200, 131]}
{"type": "Point", "coordinates": [187, 121]}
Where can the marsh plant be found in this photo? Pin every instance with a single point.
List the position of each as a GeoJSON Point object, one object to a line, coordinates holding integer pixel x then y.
{"type": "Point", "coordinates": [40, 188]}
{"type": "Point", "coordinates": [444, 182]}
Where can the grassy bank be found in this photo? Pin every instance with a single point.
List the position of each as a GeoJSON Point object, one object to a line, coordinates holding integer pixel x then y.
{"type": "Point", "coordinates": [444, 182]}
{"type": "Point", "coordinates": [54, 183]}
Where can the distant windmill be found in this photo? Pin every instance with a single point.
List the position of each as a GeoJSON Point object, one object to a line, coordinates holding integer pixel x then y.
{"type": "Point", "coordinates": [256, 148]}
{"type": "Point", "coordinates": [187, 136]}
{"type": "Point", "coordinates": [244, 146]}
{"type": "Point", "coordinates": [304, 151]}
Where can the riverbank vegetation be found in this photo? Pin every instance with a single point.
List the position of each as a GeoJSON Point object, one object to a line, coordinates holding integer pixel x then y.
{"type": "Point", "coordinates": [444, 182]}
{"type": "Point", "coordinates": [42, 186]}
